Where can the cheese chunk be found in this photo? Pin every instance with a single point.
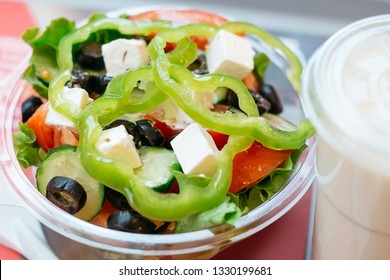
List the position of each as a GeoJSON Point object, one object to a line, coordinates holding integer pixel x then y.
{"type": "Point", "coordinates": [196, 151]}
{"type": "Point", "coordinates": [122, 54]}
{"type": "Point", "coordinates": [118, 144]}
{"type": "Point", "coordinates": [77, 96]}
{"type": "Point", "coordinates": [230, 54]}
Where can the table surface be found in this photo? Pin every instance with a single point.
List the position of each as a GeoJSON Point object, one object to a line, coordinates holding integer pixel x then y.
{"type": "Point", "coordinates": [285, 239]}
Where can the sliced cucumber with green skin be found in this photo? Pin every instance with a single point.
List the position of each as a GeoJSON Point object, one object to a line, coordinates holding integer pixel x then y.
{"type": "Point", "coordinates": [157, 166]}
{"type": "Point", "coordinates": [63, 161]}
{"type": "Point", "coordinates": [219, 94]}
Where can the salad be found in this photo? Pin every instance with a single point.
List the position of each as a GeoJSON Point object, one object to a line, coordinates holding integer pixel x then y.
{"type": "Point", "coordinates": [161, 122]}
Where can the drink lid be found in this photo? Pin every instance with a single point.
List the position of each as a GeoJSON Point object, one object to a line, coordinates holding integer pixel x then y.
{"type": "Point", "coordinates": [346, 92]}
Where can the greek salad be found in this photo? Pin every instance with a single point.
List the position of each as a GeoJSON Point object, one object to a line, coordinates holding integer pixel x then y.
{"type": "Point", "coordinates": [161, 122]}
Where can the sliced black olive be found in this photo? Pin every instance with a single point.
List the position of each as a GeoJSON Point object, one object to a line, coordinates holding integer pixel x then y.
{"type": "Point", "coordinates": [130, 221]}
{"type": "Point", "coordinates": [117, 199]}
{"type": "Point", "coordinates": [150, 136]}
{"type": "Point", "coordinates": [263, 105]}
{"type": "Point", "coordinates": [199, 66]}
{"type": "Point", "coordinates": [89, 56]}
{"type": "Point", "coordinates": [131, 129]}
{"type": "Point", "coordinates": [269, 93]}
{"type": "Point", "coordinates": [231, 99]}
{"type": "Point", "coordinates": [97, 83]}
{"type": "Point", "coordinates": [167, 143]}
{"type": "Point", "coordinates": [79, 78]}
{"type": "Point", "coordinates": [93, 84]}
{"type": "Point", "coordinates": [29, 106]}
{"type": "Point", "coordinates": [66, 193]}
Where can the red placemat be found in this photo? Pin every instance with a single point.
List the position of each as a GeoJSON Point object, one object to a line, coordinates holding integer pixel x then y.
{"type": "Point", "coordinates": [9, 254]}
{"type": "Point", "coordinates": [14, 18]}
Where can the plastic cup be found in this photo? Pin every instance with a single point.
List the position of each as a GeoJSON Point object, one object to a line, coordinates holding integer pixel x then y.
{"type": "Point", "coordinates": [346, 94]}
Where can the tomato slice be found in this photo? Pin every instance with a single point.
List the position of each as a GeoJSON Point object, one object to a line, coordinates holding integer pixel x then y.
{"type": "Point", "coordinates": [220, 139]}
{"type": "Point", "coordinates": [254, 164]}
{"type": "Point", "coordinates": [184, 17]}
{"type": "Point", "coordinates": [44, 133]}
{"type": "Point", "coordinates": [251, 82]}
{"type": "Point", "coordinates": [181, 16]}
{"type": "Point", "coordinates": [101, 218]}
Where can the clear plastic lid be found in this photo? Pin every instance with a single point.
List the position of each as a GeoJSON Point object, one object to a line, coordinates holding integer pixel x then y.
{"type": "Point", "coordinates": [346, 92]}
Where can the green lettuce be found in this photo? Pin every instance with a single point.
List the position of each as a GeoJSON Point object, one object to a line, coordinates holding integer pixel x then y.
{"type": "Point", "coordinates": [27, 149]}
{"type": "Point", "coordinates": [225, 213]}
{"type": "Point", "coordinates": [43, 62]}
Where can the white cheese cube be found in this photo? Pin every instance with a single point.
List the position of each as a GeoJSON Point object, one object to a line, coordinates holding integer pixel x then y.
{"type": "Point", "coordinates": [118, 144]}
{"type": "Point", "coordinates": [196, 151]}
{"type": "Point", "coordinates": [122, 54]}
{"type": "Point", "coordinates": [78, 96]}
{"type": "Point", "coordinates": [56, 119]}
{"type": "Point", "coordinates": [230, 54]}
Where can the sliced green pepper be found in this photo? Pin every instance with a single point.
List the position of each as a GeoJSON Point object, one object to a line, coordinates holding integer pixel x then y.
{"type": "Point", "coordinates": [194, 195]}
{"type": "Point", "coordinates": [65, 58]}
{"type": "Point", "coordinates": [180, 84]}
{"type": "Point", "coordinates": [167, 77]}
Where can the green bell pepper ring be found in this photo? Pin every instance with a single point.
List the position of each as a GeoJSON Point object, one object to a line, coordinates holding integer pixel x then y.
{"type": "Point", "coordinates": [194, 195]}
{"type": "Point", "coordinates": [180, 84]}
{"type": "Point", "coordinates": [65, 57]}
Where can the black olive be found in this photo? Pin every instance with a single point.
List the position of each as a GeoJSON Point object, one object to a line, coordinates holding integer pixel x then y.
{"type": "Point", "coordinates": [167, 143]}
{"type": "Point", "coordinates": [117, 199]}
{"type": "Point", "coordinates": [231, 99]}
{"type": "Point", "coordinates": [89, 56]}
{"type": "Point", "coordinates": [263, 105]}
{"type": "Point", "coordinates": [66, 193]}
{"type": "Point", "coordinates": [29, 106]}
{"type": "Point", "coordinates": [130, 221]}
{"type": "Point", "coordinates": [97, 83]}
{"type": "Point", "coordinates": [269, 93]}
{"type": "Point", "coordinates": [199, 66]}
{"type": "Point", "coordinates": [79, 78]}
{"type": "Point", "coordinates": [131, 129]}
{"type": "Point", "coordinates": [150, 136]}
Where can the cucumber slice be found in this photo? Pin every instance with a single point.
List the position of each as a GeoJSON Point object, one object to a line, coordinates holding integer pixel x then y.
{"type": "Point", "coordinates": [219, 94]}
{"type": "Point", "coordinates": [63, 161]}
{"type": "Point", "coordinates": [157, 166]}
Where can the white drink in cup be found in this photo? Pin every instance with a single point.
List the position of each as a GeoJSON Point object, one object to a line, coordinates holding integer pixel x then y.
{"type": "Point", "coordinates": [346, 94]}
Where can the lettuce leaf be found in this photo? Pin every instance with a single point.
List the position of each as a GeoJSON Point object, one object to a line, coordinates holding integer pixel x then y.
{"type": "Point", "coordinates": [261, 62]}
{"type": "Point", "coordinates": [27, 149]}
{"type": "Point", "coordinates": [43, 62]}
{"type": "Point", "coordinates": [225, 213]}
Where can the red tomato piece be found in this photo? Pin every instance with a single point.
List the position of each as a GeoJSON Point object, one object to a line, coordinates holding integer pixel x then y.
{"type": "Point", "coordinates": [184, 17]}
{"type": "Point", "coordinates": [219, 138]}
{"type": "Point", "coordinates": [43, 132]}
{"type": "Point", "coordinates": [101, 218]}
{"type": "Point", "coordinates": [181, 16]}
{"type": "Point", "coordinates": [254, 164]}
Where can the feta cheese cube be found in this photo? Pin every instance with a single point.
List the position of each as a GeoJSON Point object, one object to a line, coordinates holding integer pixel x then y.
{"type": "Point", "coordinates": [118, 144]}
{"type": "Point", "coordinates": [196, 151]}
{"type": "Point", "coordinates": [77, 96]}
{"type": "Point", "coordinates": [122, 54]}
{"type": "Point", "coordinates": [230, 54]}
{"type": "Point", "coordinates": [56, 119]}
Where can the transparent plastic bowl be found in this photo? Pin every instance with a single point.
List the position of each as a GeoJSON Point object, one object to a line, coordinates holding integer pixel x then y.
{"type": "Point", "coordinates": [72, 238]}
